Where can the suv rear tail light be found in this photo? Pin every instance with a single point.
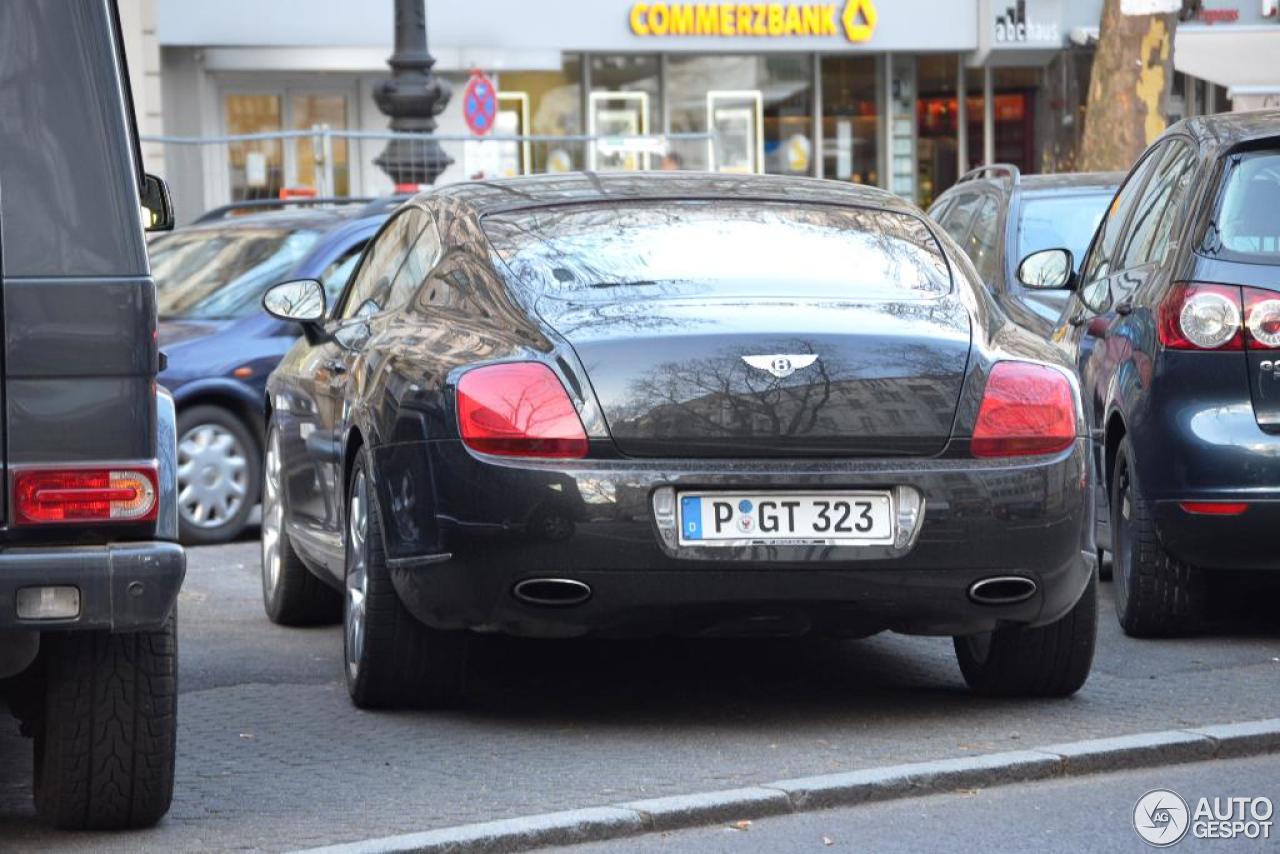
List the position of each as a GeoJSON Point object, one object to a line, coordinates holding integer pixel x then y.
{"type": "Point", "coordinates": [1201, 317]}
{"type": "Point", "coordinates": [519, 409]}
{"type": "Point", "coordinates": [1261, 319]}
{"type": "Point", "coordinates": [1026, 409]}
{"type": "Point", "coordinates": [108, 494]}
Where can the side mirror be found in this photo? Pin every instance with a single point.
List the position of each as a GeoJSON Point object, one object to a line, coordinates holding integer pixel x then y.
{"type": "Point", "coordinates": [301, 300]}
{"type": "Point", "coordinates": [1047, 270]}
{"type": "Point", "coordinates": [157, 203]}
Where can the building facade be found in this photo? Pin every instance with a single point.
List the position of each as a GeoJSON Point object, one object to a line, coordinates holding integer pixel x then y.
{"type": "Point", "coordinates": [906, 94]}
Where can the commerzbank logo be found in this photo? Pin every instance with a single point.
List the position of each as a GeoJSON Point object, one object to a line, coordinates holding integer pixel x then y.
{"type": "Point", "coordinates": [855, 20]}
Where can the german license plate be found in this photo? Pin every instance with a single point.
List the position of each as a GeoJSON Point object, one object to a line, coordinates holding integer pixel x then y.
{"type": "Point", "coordinates": [785, 518]}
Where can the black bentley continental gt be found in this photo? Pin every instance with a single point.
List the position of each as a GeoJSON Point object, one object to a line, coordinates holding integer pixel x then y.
{"type": "Point", "coordinates": [701, 405]}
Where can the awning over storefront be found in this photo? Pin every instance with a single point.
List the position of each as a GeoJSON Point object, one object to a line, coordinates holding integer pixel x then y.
{"type": "Point", "coordinates": [1244, 59]}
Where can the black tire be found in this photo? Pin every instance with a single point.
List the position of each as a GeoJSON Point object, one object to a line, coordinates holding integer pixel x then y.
{"type": "Point", "coordinates": [389, 657]}
{"type": "Point", "coordinates": [291, 594]}
{"type": "Point", "coordinates": [231, 526]}
{"type": "Point", "coordinates": [1156, 594]}
{"type": "Point", "coordinates": [1045, 661]}
{"type": "Point", "coordinates": [107, 737]}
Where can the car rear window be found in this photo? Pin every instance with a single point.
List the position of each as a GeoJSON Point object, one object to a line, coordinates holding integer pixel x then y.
{"type": "Point", "coordinates": [737, 248]}
{"type": "Point", "coordinates": [1246, 224]}
{"type": "Point", "coordinates": [1061, 221]}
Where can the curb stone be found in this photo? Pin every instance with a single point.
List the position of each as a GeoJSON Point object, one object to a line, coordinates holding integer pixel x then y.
{"type": "Point", "coordinates": [598, 824]}
{"type": "Point", "coordinates": [1124, 752]}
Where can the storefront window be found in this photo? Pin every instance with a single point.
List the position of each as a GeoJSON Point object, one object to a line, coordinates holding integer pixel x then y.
{"type": "Point", "coordinates": [257, 167]}
{"type": "Point", "coordinates": [937, 124]}
{"type": "Point", "coordinates": [624, 101]}
{"type": "Point", "coordinates": [554, 103]}
{"type": "Point", "coordinates": [759, 108]}
{"type": "Point", "coordinates": [851, 112]}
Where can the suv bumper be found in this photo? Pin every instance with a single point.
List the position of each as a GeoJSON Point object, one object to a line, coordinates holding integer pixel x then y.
{"type": "Point", "coordinates": [123, 587]}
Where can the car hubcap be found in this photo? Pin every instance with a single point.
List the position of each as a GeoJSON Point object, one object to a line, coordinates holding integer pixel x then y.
{"type": "Point", "coordinates": [212, 476]}
{"type": "Point", "coordinates": [357, 573]}
{"type": "Point", "coordinates": [272, 516]}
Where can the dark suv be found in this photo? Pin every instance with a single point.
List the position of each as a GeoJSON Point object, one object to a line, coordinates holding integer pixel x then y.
{"type": "Point", "coordinates": [1174, 322]}
{"type": "Point", "coordinates": [89, 570]}
{"type": "Point", "coordinates": [998, 215]}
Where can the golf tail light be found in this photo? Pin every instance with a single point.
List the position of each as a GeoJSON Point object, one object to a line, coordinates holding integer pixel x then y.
{"type": "Point", "coordinates": [114, 494]}
{"type": "Point", "coordinates": [519, 409]}
{"type": "Point", "coordinates": [1262, 319]}
{"type": "Point", "coordinates": [1201, 317]}
{"type": "Point", "coordinates": [1026, 409]}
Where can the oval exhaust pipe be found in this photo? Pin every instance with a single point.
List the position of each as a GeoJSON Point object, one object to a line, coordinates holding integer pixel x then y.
{"type": "Point", "coordinates": [1002, 590]}
{"type": "Point", "coordinates": [551, 592]}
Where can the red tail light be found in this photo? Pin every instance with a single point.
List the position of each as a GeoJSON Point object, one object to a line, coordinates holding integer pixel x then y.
{"type": "Point", "coordinates": [1261, 319]}
{"type": "Point", "coordinates": [115, 494]}
{"type": "Point", "coordinates": [1198, 316]}
{"type": "Point", "coordinates": [520, 410]}
{"type": "Point", "coordinates": [1214, 508]}
{"type": "Point", "coordinates": [1201, 317]}
{"type": "Point", "coordinates": [1026, 409]}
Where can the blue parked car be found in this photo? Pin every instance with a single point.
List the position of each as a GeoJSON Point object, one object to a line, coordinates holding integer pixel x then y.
{"type": "Point", "coordinates": [220, 346]}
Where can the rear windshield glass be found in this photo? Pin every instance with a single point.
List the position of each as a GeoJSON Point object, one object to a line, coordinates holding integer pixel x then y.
{"type": "Point", "coordinates": [210, 273]}
{"type": "Point", "coordinates": [736, 248]}
{"type": "Point", "coordinates": [1246, 226]}
{"type": "Point", "coordinates": [1061, 222]}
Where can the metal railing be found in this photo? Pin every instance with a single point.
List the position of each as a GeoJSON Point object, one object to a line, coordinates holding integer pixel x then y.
{"type": "Point", "coordinates": [206, 172]}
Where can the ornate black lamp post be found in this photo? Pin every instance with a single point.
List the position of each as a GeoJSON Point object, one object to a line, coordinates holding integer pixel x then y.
{"type": "Point", "coordinates": [412, 98]}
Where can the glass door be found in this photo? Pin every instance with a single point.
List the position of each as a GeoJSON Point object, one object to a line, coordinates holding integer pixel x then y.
{"type": "Point", "coordinates": [735, 118]}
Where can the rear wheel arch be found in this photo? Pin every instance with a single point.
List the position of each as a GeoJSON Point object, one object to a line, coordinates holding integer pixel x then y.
{"type": "Point", "coordinates": [242, 410]}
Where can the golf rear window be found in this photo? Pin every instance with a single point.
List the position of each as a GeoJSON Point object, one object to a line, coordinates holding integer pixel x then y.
{"type": "Point", "coordinates": [720, 248]}
{"type": "Point", "coordinates": [1246, 224]}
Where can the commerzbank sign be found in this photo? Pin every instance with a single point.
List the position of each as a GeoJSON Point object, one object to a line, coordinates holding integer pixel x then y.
{"type": "Point", "coordinates": [855, 20]}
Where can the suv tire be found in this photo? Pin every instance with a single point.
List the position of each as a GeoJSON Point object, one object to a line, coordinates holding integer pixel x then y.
{"type": "Point", "coordinates": [390, 658]}
{"type": "Point", "coordinates": [1044, 661]}
{"type": "Point", "coordinates": [1156, 594]}
{"type": "Point", "coordinates": [231, 473]}
{"type": "Point", "coordinates": [291, 594]}
{"type": "Point", "coordinates": [106, 738]}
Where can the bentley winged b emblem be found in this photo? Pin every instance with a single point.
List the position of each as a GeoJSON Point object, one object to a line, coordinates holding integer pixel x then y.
{"type": "Point", "coordinates": [781, 365]}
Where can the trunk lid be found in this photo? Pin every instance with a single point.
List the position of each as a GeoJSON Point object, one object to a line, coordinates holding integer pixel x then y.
{"type": "Point", "coordinates": [734, 377]}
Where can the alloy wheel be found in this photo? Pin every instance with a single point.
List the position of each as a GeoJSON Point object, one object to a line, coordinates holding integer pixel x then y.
{"type": "Point", "coordinates": [357, 573]}
{"type": "Point", "coordinates": [213, 476]}
{"type": "Point", "coordinates": [272, 516]}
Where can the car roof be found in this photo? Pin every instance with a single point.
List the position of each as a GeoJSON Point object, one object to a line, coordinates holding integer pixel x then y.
{"type": "Point", "coordinates": [1072, 181]}
{"type": "Point", "coordinates": [287, 220]}
{"type": "Point", "coordinates": [1223, 131]}
{"type": "Point", "coordinates": [508, 194]}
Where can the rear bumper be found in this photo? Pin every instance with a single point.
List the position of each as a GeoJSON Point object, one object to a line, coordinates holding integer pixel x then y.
{"type": "Point", "coordinates": [496, 523]}
{"type": "Point", "coordinates": [1247, 541]}
{"type": "Point", "coordinates": [123, 587]}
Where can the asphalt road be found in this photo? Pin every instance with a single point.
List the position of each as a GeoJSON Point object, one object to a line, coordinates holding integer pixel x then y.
{"type": "Point", "coordinates": [272, 755]}
{"type": "Point", "coordinates": [1072, 814]}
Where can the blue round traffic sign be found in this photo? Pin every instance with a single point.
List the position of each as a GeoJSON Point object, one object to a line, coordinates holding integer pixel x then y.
{"type": "Point", "coordinates": [479, 104]}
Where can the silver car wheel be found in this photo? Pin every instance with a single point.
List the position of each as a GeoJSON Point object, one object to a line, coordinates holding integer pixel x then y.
{"type": "Point", "coordinates": [213, 476]}
{"type": "Point", "coordinates": [272, 517]}
{"type": "Point", "coordinates": [357, 573]}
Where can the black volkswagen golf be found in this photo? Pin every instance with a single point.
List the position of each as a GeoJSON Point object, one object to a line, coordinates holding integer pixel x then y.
{"type": "Point", "coordinates": [688, 404]}
{"type": "Point", "coordinates": [1175, 324]}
